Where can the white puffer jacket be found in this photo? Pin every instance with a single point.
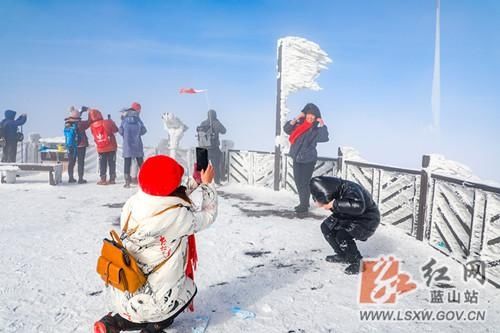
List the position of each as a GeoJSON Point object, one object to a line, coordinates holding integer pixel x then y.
{"type": "Point", "coordinates": [159, 237]}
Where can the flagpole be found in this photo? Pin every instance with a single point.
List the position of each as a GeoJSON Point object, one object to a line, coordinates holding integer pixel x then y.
{"type": "Point", "coordinates": [207, 99]}
{"type": "Point", "coordinates": [277, 149]}
{"type": "Point", "coordinates": [436, 77]}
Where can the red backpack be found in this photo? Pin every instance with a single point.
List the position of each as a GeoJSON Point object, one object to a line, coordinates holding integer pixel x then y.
{"type": "Point", "coordinates": [101, 137]}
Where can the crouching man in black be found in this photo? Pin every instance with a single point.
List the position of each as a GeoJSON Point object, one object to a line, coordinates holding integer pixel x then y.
{"type": "Point", "coordinates": [354, 216]}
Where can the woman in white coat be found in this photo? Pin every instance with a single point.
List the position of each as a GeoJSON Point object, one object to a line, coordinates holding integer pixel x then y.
{"type": "Point", "coordinates": [160, 223]}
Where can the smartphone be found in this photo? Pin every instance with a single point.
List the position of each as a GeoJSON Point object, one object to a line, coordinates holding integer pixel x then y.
{"type": "Point", "coordinates": [201, 158]}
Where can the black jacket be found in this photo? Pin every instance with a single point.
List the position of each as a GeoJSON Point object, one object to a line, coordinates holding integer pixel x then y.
{"type": "Point", "coordinates": [304, 148]}
{"type": "Point", "coordinates": [215, 125]}
{"type": "Point", "coordinates": [353, 209]}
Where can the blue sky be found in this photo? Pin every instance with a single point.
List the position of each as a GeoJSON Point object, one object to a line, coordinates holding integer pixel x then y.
{"type": "Point", "coordinates": [376, 95]}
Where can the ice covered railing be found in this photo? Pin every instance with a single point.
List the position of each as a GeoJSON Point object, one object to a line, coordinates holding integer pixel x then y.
{"type": "Point", "coordinates": [37, 150]}
{"type": "Point", "coordinates": [441, 203]}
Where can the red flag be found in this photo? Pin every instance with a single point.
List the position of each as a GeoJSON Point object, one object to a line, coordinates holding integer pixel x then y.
{"type": "Point", "coordinates": [190, 91]}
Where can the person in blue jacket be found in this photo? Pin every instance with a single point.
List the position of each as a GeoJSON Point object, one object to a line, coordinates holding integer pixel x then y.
{"type": "Point", "coordinates": [132, 129]}
{"type": "Point", "coordinates": [76, 143]}
{"type": "Point", "coordinates": [9, 130]}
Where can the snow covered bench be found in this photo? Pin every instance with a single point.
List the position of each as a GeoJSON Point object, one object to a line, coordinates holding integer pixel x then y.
{"type": "Point", "coordinates": [8, 174]}
{"type": "Point", "coordinates": [55, 170]}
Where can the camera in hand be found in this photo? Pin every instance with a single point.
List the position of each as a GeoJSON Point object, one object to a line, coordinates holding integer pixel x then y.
{"type": "Point", "coordinates": [201, 158]}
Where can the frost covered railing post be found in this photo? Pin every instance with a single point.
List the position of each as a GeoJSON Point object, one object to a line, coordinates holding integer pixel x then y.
{"type": "Point", "coordinates": [463, 221]}
{"type": "Point", "coordinates": [257, 168]}
{"type": "Point", "coordinates": [395, 190]}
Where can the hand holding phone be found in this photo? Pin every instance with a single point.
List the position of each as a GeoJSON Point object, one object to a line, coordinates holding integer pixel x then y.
{"type": "Point", "coordinates": [207, 175]}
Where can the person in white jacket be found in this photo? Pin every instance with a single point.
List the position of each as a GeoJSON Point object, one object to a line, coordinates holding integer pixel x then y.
{"type": "Point", "coordinates": [160, 223]}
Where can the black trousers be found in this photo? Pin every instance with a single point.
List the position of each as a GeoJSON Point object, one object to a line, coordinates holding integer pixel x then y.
{"type": "Point", "coordinates": [105, 160]}
{"type": "Point", "coordinates": [76, 156]}
{"type": "Point", "coordinates": [127, 164]}
{"type": "Point", "coordinates": [127, 325]}
{"type": "Point", "coordinates": [340, 240]}
{"type": "Point", "coordinates": [9, 152]}
{"type": "Point", "coordinates": [215, 156]}
{"type": "Point", "coordinates": [302, 174]}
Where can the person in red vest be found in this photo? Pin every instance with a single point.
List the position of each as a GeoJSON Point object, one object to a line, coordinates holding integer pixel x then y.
{"type": "Point", "coordinates": [103, 131]}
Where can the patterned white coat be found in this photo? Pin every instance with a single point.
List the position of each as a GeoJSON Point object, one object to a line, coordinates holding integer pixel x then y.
{"type": "Point", "coordinates": [159, 237]}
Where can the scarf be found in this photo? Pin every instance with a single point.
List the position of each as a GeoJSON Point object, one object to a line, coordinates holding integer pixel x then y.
{"type": "Point", "coordinates": [191, 262]}
{"type": "Point", "coordinates": [299, 130]}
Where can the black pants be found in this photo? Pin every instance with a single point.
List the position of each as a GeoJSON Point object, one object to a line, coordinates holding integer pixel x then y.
{"type": "Point", "coordinates": [127, 325]}
{"type": "Point", "coordinates": [105, 160]}
{"type": "Point", "coordinates": [302, 174]}
{"type": "Point", "coordinates": [9, 152]}
{"type": "Point", "coordinates": [215, 156]}
{"type": "Point", "coordinates": [340, 240]}
{"type": "Point", "coordinates": [76, 156]}
{"type": "Point", "coordinates": [128, 164]}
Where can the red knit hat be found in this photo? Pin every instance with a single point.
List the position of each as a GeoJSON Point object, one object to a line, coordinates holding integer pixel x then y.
{"type": "Point", "coordinates": [160, 175]}
{"type": "Point", "coordinates": [136, 106]}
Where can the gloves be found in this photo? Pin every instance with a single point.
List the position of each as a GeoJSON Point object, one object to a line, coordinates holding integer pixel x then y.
{"type": "Point", "coordinates": [196, 174]}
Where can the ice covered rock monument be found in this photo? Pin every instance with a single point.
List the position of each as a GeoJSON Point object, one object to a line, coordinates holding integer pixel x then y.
{"type": "Point", "coordinates": [175, 129]}
{"type": "Point", "coordinates": [299, 63]}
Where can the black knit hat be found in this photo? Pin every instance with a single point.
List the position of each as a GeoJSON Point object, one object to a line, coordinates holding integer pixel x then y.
{"type": "Point", "coordinates": [313, 109]}
{"type": "Point", "coordinates": [325, 189]}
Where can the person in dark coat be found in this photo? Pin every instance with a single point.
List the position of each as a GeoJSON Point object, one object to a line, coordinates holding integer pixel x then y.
{"type": "Point", "coordinates": [354, 216]}
{"type": "Point", "coordinates": [76, 143]}
{"type": "Point", "coordinates": [305, 131]}
{"type": "Point", "coordinates": [210, 129]}
{"type": "Point", "coordinates": [131, 129]}
{"type": "Point", "coordinates": [10, 126]}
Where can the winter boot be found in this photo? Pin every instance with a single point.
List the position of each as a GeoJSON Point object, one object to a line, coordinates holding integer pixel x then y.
{"type": "Point", "coordinates": [301, 209]}
{"type": "Point", "coordinates": [336, 258]}
{"type": "Point", "coordinates": [112, 181]}
{"type": "Point", "coordinates": [71, 180]}
{"type": "Point", "coordinates": [106, 324]}
{"type": "Point", "coordinates": [355, 266]}
{"type": "Point", "coordinates": [82, 181]}
{"type": "Point", "coordinates": [102, 181]}
{"type": "Point", "coordinates": [115, 324]}
{"type": "Point", "coordinates": [134, 180]}
{"type": "Point", "coordinates": [128, 180]}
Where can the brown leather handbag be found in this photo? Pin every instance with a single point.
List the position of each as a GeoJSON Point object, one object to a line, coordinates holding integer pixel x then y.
{"type": "Point", "coordinates": [117, 267]}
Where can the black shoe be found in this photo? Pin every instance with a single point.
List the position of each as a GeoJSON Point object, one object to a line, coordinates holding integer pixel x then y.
{"type": "Point", "coordinates": [354, 268]}
{"type": "Point", "coordinates": [72, 180]}
{"type": "Point", "coordinates": [128, 180]}
{"type": "Point", "coordinates": [336, 258]}
{"type": "Point", "coordinates": [82, 181]}
{"type": "Point", "coordinates": [106, 324]}
{"type": "Point", "coordinates": [301, 209]}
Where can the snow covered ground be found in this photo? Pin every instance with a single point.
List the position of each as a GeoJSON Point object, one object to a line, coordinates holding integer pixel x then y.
{"type": "Point", "coordinates": [255, 256]}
